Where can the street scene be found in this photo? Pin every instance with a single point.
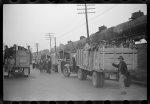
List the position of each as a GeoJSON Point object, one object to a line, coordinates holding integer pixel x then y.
{"type": "Point", "coordinates": [75, 52]}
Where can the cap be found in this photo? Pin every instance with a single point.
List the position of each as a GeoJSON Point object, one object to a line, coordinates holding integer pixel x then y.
{"type": "Point", "coordinates": [120, 57]}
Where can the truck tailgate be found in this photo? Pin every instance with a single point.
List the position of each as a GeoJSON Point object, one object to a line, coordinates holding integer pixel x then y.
{"type": "Point", "coordinates": [22, 58]}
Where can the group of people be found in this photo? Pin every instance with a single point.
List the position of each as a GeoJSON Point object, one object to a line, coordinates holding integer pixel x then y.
{"type": "Point", "coordinates": [45, 65]}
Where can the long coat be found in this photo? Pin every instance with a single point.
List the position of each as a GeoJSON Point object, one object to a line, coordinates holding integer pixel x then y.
{"type": "Point", "coordinates": [122, 67]}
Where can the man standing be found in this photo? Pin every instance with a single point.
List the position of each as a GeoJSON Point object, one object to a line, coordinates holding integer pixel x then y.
{"type": "Point", "coordinates": [122, 69]}
{"type": "Point", "coordinates": [11, 62]}
{"type": "Point", "coordinates": [49, 65]}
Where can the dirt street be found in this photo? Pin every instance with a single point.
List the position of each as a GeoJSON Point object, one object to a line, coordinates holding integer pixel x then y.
{"type": "Point", "coordinates": [54, 86]}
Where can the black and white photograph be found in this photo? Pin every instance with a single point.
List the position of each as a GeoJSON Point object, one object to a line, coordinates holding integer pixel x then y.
{"type": "Point", "coordinates": [77, 52]}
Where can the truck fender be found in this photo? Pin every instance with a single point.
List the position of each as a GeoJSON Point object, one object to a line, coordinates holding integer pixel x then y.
{"type": "Point", "coordinates": [67, 65]}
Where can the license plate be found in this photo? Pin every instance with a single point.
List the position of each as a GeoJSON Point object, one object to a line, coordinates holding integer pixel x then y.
{"type": "Point", "coordinates": [16, 70]}
{"type": "Point", "coordinates": [5, 73]}
{"type": "Point", "coordinates": [112, 77]}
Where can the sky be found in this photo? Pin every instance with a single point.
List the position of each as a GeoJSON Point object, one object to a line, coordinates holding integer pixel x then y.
{"type": "Point", "coordinates": [28, 24]}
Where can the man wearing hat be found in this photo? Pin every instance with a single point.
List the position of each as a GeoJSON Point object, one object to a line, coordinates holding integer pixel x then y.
{"type": "Point", "coordinates": [122, 69]}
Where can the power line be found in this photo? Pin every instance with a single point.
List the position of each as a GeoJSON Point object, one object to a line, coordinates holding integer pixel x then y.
{"type": "Point", "coordinates": [80, 20]}
{"type": "Point", "coordinates": [78, 26]}
{"type": "Point", "coordinates": [104, 12]}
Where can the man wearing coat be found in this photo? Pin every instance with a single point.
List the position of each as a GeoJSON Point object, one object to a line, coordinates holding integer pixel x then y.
{"type": "Point", "coordinates": [49, 66]}
{"type": "Point", "coordinates": [122, 68]}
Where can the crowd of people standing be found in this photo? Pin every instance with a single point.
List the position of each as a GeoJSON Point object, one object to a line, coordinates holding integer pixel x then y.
{"type": "Point", "coordinates": [45, 66]}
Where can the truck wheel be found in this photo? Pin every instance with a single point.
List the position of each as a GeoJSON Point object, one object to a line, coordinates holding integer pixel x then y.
{"type": "Point", "coordinates": [62, 65]}
{"type": "Point", "coordinates": [66, 72]}
{"type": "Point", "coordinates": [81, 74]}
{"type": "Point", "coordinates": [26, 72]}
{"type": "Point", "coordinates": [102, 78]}
{"type": "Point", "coordinates": [8, 76]}
{"type": "Point", "coordinates": [29, 71]}
{"type": "Point", "coordinates": [98, 79]}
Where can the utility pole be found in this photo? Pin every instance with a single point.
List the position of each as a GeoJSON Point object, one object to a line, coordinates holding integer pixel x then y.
{"type": "Point", "coordinates": [86, 17]}
{"type": "Point", "coordinates": [36, 58]}
{"type": "Point", "coordinates": [49, 38]}
{"type": "Point", "coordinates": [86, 21]}
{"type": "Point", "coordinates": [37, 47]}
{"type": "Point", "coordinates": [55, 45]}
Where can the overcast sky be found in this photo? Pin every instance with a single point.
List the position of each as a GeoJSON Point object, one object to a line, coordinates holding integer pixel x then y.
{"type": "Point", "coordinates": [27, 24]}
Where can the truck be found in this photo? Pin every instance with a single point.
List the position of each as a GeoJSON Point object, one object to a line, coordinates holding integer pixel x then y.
{"type": "Point", "coordinates": [97, 63]}
{"type": "Point", "coordinates": [67, 63]}
{"type": "Point", "coordinates": [20, 62]}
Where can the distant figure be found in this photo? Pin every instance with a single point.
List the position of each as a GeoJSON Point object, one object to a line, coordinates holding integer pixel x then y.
{"type": "Point", "coordinates": [41, 66]}
{"type": "Point", "coordinates": [49, 66]}
{"type": "Point", "coordinates": [122, 69]}
{"type": "Point", "coordinates": [44, 65]}
{"type": "Point", "coordinates": [33, 65]}
{"type": "Point", "coordinates": [74, 63]}
{"type": "Point", "coordinates": [56, 68]}
{"type": "Point", "coordinates": [59, 66]}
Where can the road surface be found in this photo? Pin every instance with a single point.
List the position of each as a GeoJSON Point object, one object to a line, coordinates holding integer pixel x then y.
{"type": "Point", "coordinates": [54, 86]}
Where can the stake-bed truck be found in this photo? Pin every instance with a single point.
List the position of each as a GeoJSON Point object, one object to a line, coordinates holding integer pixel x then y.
{"type": "Point", "coordinates": [98, 63]}
{"type": "Point", "coordinates": [21, 63]}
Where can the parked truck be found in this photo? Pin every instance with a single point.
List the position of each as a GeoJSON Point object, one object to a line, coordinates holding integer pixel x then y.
{"type": "Point", "coordinates": [98, 63]}
{"type": "Point", "coordinates": [18, 63]}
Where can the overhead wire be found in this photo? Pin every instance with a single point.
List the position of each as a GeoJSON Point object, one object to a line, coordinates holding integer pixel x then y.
{"type": "Point", "coordinates": [75, 27]}
{"type": "Point", "coordinates": [91, 19]}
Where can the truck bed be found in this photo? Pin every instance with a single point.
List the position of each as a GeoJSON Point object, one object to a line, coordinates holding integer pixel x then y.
{"type": "Point", "coordinates": [104, 57]}
{"type": "Point", "coordinates": [22, 58]}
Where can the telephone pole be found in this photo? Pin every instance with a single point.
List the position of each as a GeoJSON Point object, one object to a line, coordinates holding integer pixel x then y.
{"type": "Point", "coordinates": [86, 16]}
{"type": "Point", "coordinates": [55, 44]}
{"type": "Point", "coordinates": [49, 38]}
{"type": "Point", "coordinates": [37, 47]}
{"type": "Point", "coordinates": [36, 56]}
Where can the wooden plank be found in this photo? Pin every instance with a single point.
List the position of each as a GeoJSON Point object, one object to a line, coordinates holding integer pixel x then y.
{"type": "Point", "coordinates": [125, 50]}
{"type": "Point", "coordinates": [82, 57]}
{"type": "Point", "coordinates": [78, 56]}
{"type": "Point", "coordinates": [103, 57]}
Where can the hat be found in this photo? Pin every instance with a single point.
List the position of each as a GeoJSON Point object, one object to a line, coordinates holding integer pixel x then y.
{"type": "Point", "coordinates": [120, 57]}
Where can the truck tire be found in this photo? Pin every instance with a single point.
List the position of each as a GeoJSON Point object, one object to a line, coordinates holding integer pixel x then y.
{"type": "Point", "coordinates": [66, 72]}
{"type": "Point", "coordinates": [62, 65]}
{"type": "Point", "coordinates": [26, 72]}
{"type": "Point", "coordinates": [102, 79]}
{"type": "Point", "coordinates": [98, 79]}
{"type": "Point", "coordinates": [82, 74]}
{"type": "Point", "coordinates": [8, 76]}
{"type": "Point", "coordinates": [29, 71]}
